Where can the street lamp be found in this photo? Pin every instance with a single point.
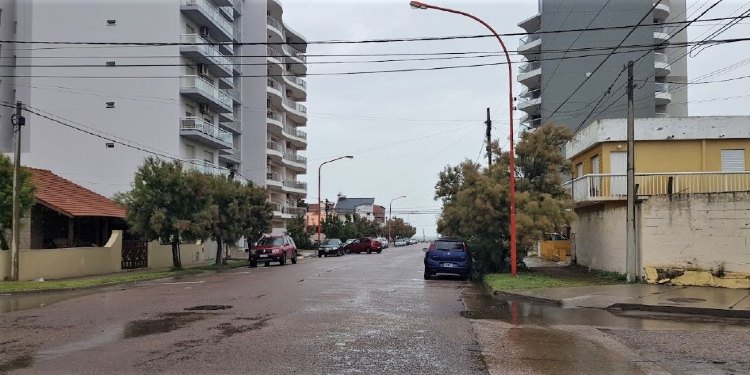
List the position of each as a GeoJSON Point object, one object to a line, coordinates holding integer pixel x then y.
{"type": "Point", "coordinates": [512, 166]}
{"type": "Point", "coordinates": [320, 214]}
{"type": "Point", "coordinates": [390, 216]}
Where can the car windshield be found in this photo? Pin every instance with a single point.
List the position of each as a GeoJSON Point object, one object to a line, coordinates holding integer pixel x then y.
{"type": "Point", "coordinates": [332, 242]}
{"type": "Point", "coordinates": [449, 245]}
{"type": "Point", "coordinates": [271, 241]}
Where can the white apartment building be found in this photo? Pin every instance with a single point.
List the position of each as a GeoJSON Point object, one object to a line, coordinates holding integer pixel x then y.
{"type": "Point", "coordinates": [199, 98]}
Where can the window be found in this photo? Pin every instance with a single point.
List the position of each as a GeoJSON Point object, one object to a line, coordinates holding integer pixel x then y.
{"type": "Point", "coordinates": [733, 160]}
{"type": "Point", "coordinates": [111, 22]}
{"type": "Point", "coordinates": [110, 63]}
{"type": "Point", "coordinates": [579, 170]}
{"type": "Point", "coordinates": [110, 105]}
{"type": "Point", "coordinates": [109, 145]}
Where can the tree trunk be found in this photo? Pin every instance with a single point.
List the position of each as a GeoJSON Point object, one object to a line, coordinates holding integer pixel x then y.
{"type": "Point", "coordinates": [176, 263]}
{"type": "Point", "coordinates": [219, 251]}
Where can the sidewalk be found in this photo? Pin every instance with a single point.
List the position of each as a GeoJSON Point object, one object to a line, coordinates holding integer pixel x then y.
{"type": "Point", "coordinates": [733, 303]}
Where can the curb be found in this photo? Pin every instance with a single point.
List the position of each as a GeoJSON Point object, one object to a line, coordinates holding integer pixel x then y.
{"type": "Point", "coordinates": [524, 297]}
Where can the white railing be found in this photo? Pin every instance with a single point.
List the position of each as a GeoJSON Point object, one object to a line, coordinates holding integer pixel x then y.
{"type": "Point", "coordinates": [205, 167]}
{"type": "Point", "coordinates": [530, 95]}
{"type": "Point", "coordinates": [661, 114]}
{"type": "Point", "coordinates": [661, 58]}
{"type": "Point", "coordinates": [273, 176]}
{"type": "Point", "coordinates": [228, 11]}
{"type": "Point", "coordinates": [295, 80]}
{"type": "Point", "coordinates": [233, 93]}
{"type": "Point", "coordinates": [290, 156]}
{"type": "Point", "coordinates": [661, 87]}
{"type": "Point", "coordinates": [207, 88]}
{"type": "Point", "coordinates": [213, 13]}
{"type": "Point", "coordinates": [275, 116]}
{"type": "Point", "coordinates": [276, 24]}
{"type": "Point", "coordinates": [294, 132]}
{"type": "Point", "coordinates": [291, 210]}
{"type": "Point", "coordinates": [275, 146]}
{"type": "Point", "coordinates": [291, 51]}
{"type": "Point", "coordinates": [295, 106]}
{"type": "Point", "coordinates": [662, 29]}
{"type": "Point", "coordinates": [274, 84]}
{"type": "Point", "coordinates": [529, 67]}
{"type": "Point", "coordinates": [614, 186]}
{"type": "Point", "coordinates": [295, 184]}
{"type": "Point", "coordinates": [207, 50]}
{"type": "Point", "coordinates": [211, 130]}
{"type": "Point", "coordinates": [273, 52]}
{"type": "Point", "coordinates": [235, 125]}
{"type": "Point", "coordinates": [529, 38]}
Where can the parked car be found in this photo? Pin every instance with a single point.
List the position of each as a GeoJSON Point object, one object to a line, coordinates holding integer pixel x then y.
{"type": "Point", "coordinates": [411, 241]}
{"type": "Point", "coordinates": [331, 246]}
{"type": "Point", "coordinates": [273, 249]}
{"type": "Point", "coordinates": [447, 256]}
{"type": "Point", "coordinates": [383, 241]}
{"type": "Point", "coordinates": [399, 242]}
{"type": "Point", "coordinates": [365, 244]}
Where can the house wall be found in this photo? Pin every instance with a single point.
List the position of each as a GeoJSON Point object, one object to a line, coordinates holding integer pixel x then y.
{"type": "Point", "coordinates": [200, 254]}
{"type": "Point", "coordinates": [667, 155]}
{"type": "Point", "coordinates": [63, 263]}
{"type": "Point", "coordinates": [706, 235]}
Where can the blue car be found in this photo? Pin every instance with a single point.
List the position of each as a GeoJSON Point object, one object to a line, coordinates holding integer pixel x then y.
{"type": "Point", "coordinates": [447, 256]}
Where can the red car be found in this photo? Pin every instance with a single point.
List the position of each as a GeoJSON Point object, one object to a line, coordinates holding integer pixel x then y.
{"type": "Point", "coordinates": [362, 245]}
{"type": "Point", "coordinates": [273, 249]}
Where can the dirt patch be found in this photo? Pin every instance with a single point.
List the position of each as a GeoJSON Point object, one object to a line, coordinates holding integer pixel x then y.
{"type": "Point", "coordinates": [164, 323]}
{"type": "Point", "coordinates": [208, 308]}
{"type": "Point", "coordinates": [15, 363]}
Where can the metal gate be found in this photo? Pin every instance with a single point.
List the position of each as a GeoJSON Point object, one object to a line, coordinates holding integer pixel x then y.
{"type": "Point", "coordinates": [134, 254]}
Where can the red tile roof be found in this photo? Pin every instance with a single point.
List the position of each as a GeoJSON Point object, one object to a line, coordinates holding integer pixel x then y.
{"type": "Point", "coordinates": [70, 199]}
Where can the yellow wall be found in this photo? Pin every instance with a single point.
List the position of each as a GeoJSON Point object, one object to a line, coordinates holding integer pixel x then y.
{"type": "Point", "coordinates": [666, 155]}
{"type": "Point", "coordinates": [200, 254]}
{"type": "Point", "coordinates": [64, 263]}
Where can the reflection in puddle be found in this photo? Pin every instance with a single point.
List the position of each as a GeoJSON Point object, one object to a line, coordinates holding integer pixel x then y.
{"type": "Point", "coordinates": [164, 323]}
{"type": "Point", "coordinates": [481, 305]}
{"type": "Point", "coordinates": [25, 301]}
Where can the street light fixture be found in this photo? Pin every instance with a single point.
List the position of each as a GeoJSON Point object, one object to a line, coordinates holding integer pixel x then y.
{"type": "Point", "coordinates": [320, 213]}
{"type": "Point", "coordinates": [512, 166]}
{"type": "Point", "coordinates": [390, 216]}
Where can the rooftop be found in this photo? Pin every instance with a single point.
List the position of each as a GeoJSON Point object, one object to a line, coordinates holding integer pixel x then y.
{"type": "Point", "coordinates": [70, 199]}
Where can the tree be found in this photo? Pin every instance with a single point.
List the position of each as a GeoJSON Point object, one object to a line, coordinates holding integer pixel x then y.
{"type": "Point", "coordinates": [26, 196]}
{"type": "Point", "coordinates": [475, 200]}
{"type": "Point", "coordinates": [232, 213]}
{"type": "Point", "coordinates": [297, 229]}
{"type": "Point", "coordinates": [168, 204]}
{"type": "Point", "coordinates": [400, 228]}
{"type": "Point", "coordinates": [257, 212]}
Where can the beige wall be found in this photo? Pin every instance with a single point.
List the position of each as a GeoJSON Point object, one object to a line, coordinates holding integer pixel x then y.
{"type": "Point", "coordinates": [64, 263]}
{"type": "Point", "coordinates": [599, 237]}
{"type": "Point", "coordinates": [692, 231]}
{"type": "Point", "coordinates": [200, 254]}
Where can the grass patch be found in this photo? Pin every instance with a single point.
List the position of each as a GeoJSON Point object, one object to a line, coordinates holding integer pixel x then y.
{"type": "Point", "coordinates": [534, 280]}
{"type": "Point", "coordinates": [104, 280]}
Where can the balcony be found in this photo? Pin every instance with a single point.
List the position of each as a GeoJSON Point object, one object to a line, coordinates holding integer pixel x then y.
{"type": "Point", "coordinates": [531, 24]}
{"type": "Point", "coordinates": [273, 179]}
{"type": "Point", "coordinates": [204, 132]}
{"type": "Point", "coordinates": [275, 150]}
{"type": "Point", "coordinates": [227, 12]}
{"type": "Point", "coordinates": [297, 111]}
{"type": "Point", "coordinates": [607, 187]}
{"type": "Point", "coordinates": [235, 94]}
{"type": "Point", "coordinates": [530, 74]}
{"type": "Point", "coordinates": [232, 126]}
{"type": "Point", "coordinates": [661, 12]}
{"type": "Point", "coordinates": [661, 64]}
{"type": "Point", "coordinates": [205, 13]}
{"type": "Point", "coordinates": [276, 26]}
{"type": "Point", "coordinates": [530, 102]}
{"type": "Point", "coordinates": [531, 122]}
{"type": "Point", "coordinates": [530, 44]}
{"type": "Point", "coordinates": [294, 211]}
{"type": "Point", "coordinates": [661, 34]}
{"type": "Point", "coordinates": [662, 95]}
{"type": "Point", "coordinates": [661, 114]}
{"type": "Point", "coordinates": [298, 59]}
{"type": "Point", "coordinates": [296, 137]}
{"type": "Point", "coordinates": [198, 49]}
{"type": "Point", "coordinates": [204, 167]}
{"type": "Point", "coordinates": [275, 121]}
{"type": "Point", "coordinates": [232, 155]}
{"type": "Point", "coordinates": [286, 211]}
{"type": "Point", "coordinates": [295, 186]}
{"type": "Point", "coordinates": [295, 162]}
{"type": "Point", "coordinates": [297, 85]}
{"type": "Point", "coordinates": [275, 87]}
{"type": "Point", "coordinates": [203, 91]}
{"type": "Point", "coordinates": [275, 56]}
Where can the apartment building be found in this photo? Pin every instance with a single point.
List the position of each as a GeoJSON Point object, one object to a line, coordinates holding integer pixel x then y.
{"type": "Point", "coordinates": [188, 99]}
{"type": "Point", "coordinates": [559, 61]}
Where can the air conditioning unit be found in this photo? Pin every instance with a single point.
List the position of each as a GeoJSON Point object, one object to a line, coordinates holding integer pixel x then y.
{"type": "Point", "coordinates": [202, 70]}
{"type": "Point", "coordinates": [204, 31]}
{"type": "Point", "coordinates": [203, 108]}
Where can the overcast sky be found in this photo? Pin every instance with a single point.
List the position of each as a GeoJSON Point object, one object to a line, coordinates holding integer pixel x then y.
{"type": "Point", "coordinates": [403, 128]}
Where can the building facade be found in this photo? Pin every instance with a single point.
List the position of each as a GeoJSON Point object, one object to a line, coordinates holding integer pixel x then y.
{"type": "Point", "coordinates": [190, 91]}
{"type": "Point", "coordinates": [558, 62]}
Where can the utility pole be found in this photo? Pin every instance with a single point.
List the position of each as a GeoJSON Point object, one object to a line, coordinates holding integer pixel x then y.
{"type": "Point", "coordinates": [18, 121]}
{"type": "Point", "coordinates": [489, 138]}
{"type": "Point", "coordinates": [630, 264]}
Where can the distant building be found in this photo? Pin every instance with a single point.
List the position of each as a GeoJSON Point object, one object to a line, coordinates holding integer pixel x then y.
{"type": "Point", "coordinates": [347, 207]}
{"type": "Point", "coordinates": [379, 214]}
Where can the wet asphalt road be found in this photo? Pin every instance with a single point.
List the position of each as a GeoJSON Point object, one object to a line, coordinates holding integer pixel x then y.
{"type": "Point", "coordinates": [370, 314]}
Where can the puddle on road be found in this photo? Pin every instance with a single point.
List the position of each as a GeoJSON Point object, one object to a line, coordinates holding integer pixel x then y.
{"type": "Point", "coordinates": [481, 305]}
{"type": "Point", "coordinates": [165, 323]}
{"type": "Point", "coordinates": [208, 308]}
{"type": "Point", "coordinates": [18, 302]}
{"type": "Point", "coordinates": [16, 363]}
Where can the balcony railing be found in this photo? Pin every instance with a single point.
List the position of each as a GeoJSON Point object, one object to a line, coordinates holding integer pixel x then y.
{"type": "Point", "coordinates": [233, 93]}
{"type": "Point", "coordinates": [294, 210]}
{"type": "Point", "coordinates": [213, 13]}
{"type": "Point", "coordinates": [273, 176]}
{"type": "Point", "coordinates": [596, 187]}
{"type": "Point", "coordinates": [294, 105]}
{"type": "Point", "coordinates": [234, 125]}
{"type": "Point", "coordinates": [295, 184]}
{"type": "Point", "coordinates": [211, 130]}
{"type": "Point", "coordinates": [294, 132]}
{"type": "Point", "coordinates": [273, 22]}
{"type": "Point", "coordinates": [290, 156]}
{"type": "Point", "coordinates": [273, 52]}
{"type": "Point", "coordinates": [207, 89]}
{"type": "Point", "coordinates": [203, 166]}
{"type": "Point", "coordinates": [532, 122]}
{"type": "Point", "coordinates": [529, 67]}
{"type": "Point", "coordinates": [275, 116]}
{"type": "Point", "coordinates": [275, 146]}
{"type": "Point", "coordinates": [274, 84]}
{"type": "Point", "coordinates": [207, 50]}
{"type": "Point", "coordinates": [295, 80]}
{"type": "Point", "coordinates": [529, 38]}
{"type": "Point", "coordinates": [661, 58]}
{"type": "Point", "coordinates": [661, 87]}
{"type": "Point", "coordinates": [228, 12]}
{"type": "Point", "coordinates": [530, 95]}
{"type": "Point", "coordinates": [291, 51]}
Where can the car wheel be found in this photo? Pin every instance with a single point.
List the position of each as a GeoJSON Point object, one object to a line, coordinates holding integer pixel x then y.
{"type": "Point", "coordinates": [320, 255]}
{"type": "Point", "coordinates": [267, 264]}
{"type": "Point", "coordinates": [253, 263]}
{"type": "Point", "coordinates": [427, 275]}
{"type": "Point", "coordinates": [294, 258]}
{"type": "Point", "coordinates": [282, 261]}
{"type": "Point", "coordinates": [380, 251]}
{"type": "Point", "coordinates": [369, 251]}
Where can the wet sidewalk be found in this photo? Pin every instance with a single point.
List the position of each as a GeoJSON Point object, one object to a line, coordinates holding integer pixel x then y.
{"type": "Point", "coordinates": [641, 297]}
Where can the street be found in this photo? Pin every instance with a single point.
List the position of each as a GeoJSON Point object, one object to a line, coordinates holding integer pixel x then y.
{"type": "Point", "coordinates": [352, 314]}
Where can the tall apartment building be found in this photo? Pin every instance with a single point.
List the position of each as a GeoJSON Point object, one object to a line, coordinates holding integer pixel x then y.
{"type": "Point", "coordinates": [560, 61]}
{"type": "Point", "coordinates": [199, 99]}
